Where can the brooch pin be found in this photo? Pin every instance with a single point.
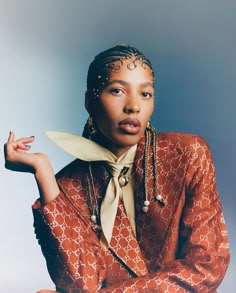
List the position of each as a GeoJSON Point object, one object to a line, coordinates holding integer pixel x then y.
{"type": "Point", "coordinates": [123, 180]}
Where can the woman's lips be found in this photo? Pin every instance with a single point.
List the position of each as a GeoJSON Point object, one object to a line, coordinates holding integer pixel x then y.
{"type": "Point", "coordinates": [130, 125]}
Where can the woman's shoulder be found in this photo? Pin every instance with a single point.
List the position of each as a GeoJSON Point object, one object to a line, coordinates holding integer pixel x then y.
{"type": "Point", "coordinates": [78, 170]}
{"type": "Point", "coordinates": [181, 140]}
{"type": "Point", "coordinates": [72, 169]}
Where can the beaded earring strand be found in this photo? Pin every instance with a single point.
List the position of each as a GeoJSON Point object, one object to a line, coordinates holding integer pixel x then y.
{"type": "Point", "coordinates": [158, 197]}
{"type": "Point", "coordinates": [146, 202]}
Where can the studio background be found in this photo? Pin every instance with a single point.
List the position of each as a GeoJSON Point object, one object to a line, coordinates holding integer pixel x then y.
{"type": "Point", "coordinates": [45, 50]}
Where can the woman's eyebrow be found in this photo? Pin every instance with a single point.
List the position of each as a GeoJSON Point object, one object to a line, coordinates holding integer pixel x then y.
{"type": "Point", "coordinates": [146, 84]}
{"type": "Point", "coordinates": [123, 82]}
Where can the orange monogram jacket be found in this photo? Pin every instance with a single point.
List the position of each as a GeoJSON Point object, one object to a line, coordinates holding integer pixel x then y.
{"type": "Point", "coordinates": [181, 245]}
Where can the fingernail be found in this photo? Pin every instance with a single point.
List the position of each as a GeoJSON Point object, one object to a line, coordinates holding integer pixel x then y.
{"type": "Point", "coordinates": [28, 146]}
{"type": "Point", "coordinates": [32, 136]}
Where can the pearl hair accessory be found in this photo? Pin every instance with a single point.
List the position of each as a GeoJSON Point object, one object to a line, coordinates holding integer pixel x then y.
{"type": "Point", "coordinates": [94, 219]}
{"type": "Point", "coordinates": [145, 206]}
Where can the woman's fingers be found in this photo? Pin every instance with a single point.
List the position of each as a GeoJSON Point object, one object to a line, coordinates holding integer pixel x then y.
{"type": "Point", "coordinates": [25, 140]}
{"type": "Point", "coordinates": [12, 149]}
{"type": "Point", "coordinates": [11, 137]}
{"type": "Point", "coordinates": [19, 147]}
{"type": "Point", "coordinates": [16, 156]}
{"type": "Point", "coordinates": [19, 144]}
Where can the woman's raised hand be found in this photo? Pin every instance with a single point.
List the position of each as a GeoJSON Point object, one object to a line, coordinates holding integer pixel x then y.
{"type": "Point", "coordinates": [17, 157]}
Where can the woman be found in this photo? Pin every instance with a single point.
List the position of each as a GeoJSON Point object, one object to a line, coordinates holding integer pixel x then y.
{"type": "Point", "coordinates": [137, 211]}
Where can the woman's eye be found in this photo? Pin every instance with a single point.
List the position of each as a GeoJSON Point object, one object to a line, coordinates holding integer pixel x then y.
{"type": "Point", "coordinates": [115, 91]}
{"type": "Point", "coordinates": [147, 95]}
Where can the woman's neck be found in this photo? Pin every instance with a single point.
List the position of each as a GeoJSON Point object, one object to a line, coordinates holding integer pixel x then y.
{"type": "Point", "coordinates": [117, 150]}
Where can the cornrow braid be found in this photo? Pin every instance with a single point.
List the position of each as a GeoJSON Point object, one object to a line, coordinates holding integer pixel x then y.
{"type": "Point", "coordinates": [151, 138]}
{"type": "Point", "coordinates": [112, 60]}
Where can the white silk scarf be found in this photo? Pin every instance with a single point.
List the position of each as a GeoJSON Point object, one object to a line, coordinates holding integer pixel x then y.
{"type": "Point", "coordinates": [88, 150]}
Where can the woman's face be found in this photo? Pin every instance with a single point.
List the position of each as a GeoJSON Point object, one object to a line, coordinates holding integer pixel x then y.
{"type": "Point", "coordinates": [124, 107]}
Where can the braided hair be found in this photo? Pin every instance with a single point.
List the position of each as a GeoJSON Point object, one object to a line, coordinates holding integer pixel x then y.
{"type": "Point", "coordinates": [112, 60]}
{"type": "Point", "coordinates": [98, 75]}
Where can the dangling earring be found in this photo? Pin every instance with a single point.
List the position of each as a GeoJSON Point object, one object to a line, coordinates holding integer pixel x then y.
{"type": "Point", "coordinates": [92, 130]}
{"type": "Point", "coordinates": [149, 126]}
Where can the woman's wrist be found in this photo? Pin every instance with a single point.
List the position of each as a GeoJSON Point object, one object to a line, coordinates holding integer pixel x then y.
{"type": "Point", "coordinates": [46, 181]}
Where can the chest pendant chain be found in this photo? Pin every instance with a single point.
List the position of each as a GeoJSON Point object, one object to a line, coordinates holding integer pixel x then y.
{"type": "Point", "coordinates": [93, 202]}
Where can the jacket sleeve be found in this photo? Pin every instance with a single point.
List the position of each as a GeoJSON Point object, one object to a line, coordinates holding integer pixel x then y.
{"type": "Point", "coordinates": [70, 246]}
{"type": "Point", "coordinates": [203, 252]}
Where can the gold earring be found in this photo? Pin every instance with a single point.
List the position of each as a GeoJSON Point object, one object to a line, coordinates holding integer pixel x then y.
{"type": "Point", "coordinates": [92, 130]}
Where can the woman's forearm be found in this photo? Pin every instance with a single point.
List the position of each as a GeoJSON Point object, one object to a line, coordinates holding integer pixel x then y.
{"type": "Point", "coordinates": [47, 184]}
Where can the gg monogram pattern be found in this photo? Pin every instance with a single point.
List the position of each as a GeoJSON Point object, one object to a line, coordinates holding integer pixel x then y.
{"type": "Point", "coordinates": [181, 245]}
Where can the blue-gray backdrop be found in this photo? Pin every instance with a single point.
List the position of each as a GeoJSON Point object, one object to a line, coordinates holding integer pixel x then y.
{"type": "Point", "coordinates": [45, 50]}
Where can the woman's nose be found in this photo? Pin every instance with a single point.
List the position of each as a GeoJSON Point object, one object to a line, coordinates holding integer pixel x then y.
{"type": "Point", "coordinates": [132, 104]}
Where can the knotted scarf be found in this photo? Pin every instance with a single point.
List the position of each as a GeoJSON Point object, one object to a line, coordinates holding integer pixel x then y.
{"type": "Point", "coordinates": [90, 151]}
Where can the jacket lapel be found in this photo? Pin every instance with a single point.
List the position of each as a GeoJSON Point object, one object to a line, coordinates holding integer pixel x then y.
{"type": "Point", "coordinates": [124, 244]}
